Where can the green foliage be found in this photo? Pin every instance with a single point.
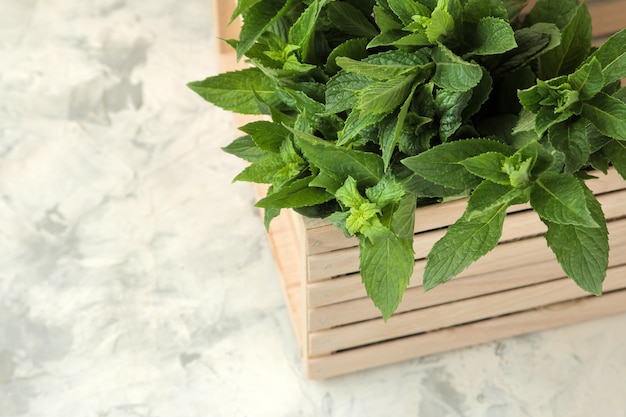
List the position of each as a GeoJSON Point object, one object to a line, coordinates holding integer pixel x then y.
{"type": "Point", "coordinates": [379, 105]}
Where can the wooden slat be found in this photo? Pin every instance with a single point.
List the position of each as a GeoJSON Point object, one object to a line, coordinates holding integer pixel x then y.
{"type": "Point", "coordinates": [608, 17]}
{"type": "Point", "coordinates": [453, 314]}
{"type": "Point", "coordinates": [504, 256]}
{"type": "Point", "coordinates": [519, 225]}
{"type": "Point", "coordinates": [458, 337]}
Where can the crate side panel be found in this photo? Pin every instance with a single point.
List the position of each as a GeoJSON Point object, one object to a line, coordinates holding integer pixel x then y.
{"type": "Point", "coordinates": [362, 309]}
{"type": "Point", "coordinates": [504, 256]}
{"type": "Point", "coordinates": [517, 225]}
{"type": "Point", "coordinates": [458, 337]}
{"type": "Point", "coordinates": [453, 314]}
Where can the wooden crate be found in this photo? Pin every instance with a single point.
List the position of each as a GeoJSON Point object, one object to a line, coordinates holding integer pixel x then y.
{"type": "Point", "coordinates": [515, 289]}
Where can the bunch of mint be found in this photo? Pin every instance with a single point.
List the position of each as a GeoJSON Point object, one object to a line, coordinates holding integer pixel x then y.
{"type": "Point", "coordinates": [379, 106]}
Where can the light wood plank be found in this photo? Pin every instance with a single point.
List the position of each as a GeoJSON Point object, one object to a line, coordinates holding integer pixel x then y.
{"type": "Point", "coordinates": [548, 317]}
{"type": "Point", "coordinates": [608, 17]}
{"type": "Point", "coordinates": [459, 312]}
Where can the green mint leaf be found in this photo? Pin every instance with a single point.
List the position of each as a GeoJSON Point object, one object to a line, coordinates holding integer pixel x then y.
{"type": "Point", "coordinates": [341, 91]}
{"type": "Point", "coordinates": [403, 218]}
{"type": "Point", "coordinates": [400, 58]}
{"type": "Point", "coordinates": [464, 242]}
{"type": "Point", "coordinates": [518, 167]}
{"type": "Point", "coordinates": [384, 97]}
{"type": "Point", "coordinates": [338, 219]}
{"type": "Point", "coordinates": [452, 72]}
{"type": "Point", "coordinates": [385, 65]}
{"type": "Point", "coordinates": [547, 117]}
{"type": "Point", "coordinates": [532, 42]}
{"type": "Point", "coordinates": [450, 107]}
{"type": "Point", "coordinates": [615, 151]}
{"type": "Point", "coordinates": [588, 79]}
{"type": "Point", "coordinates": [386, 267]}
{"type": "Point", "coordinates": [393, 37]}
{"type": "Point", "coordinates": [583, 252]}
{"type": "Point", "coordinates": [262, 171]}
{"type": "Point", "coordinates": [453, 7]}
{"type": "Point", "coordinates": [365, 6]}
{"type": "Point", "coordinates": [571, 139]}
{"type": "Point", "coordinates": [441, 164]}
{"type": "Point", "coordinates": [440, 26]}
{"type": "Point", "coordinates": [411, 41]}
{"type": "Point", "coordinates": [553, 102]}
{"type": "Point", "coordinates": [608, 115]}
{"type": "Point", "coordinates": [387, 191]}
{"type": "Point", "coordinates": [364, 220]}
{"type": "Point", "coordinates": [531, 98]}
{"type": "Point", "coordinates": [245, 148]}
{"type": "Point", "coordinates": [296, 194]}
{"type": "Point", "coordinates": [475, 10]}
{"type": "Point", "coordinates": [326, 181]}
{"type": "Point", "coordinates": [489, 197]}
{"type": "Point", "coordinates": [480, 95]}
{"type": "Point", "coordinates": [386, 21]}
{"type": "Point", "coordinates": [421, 187]}
{"type": "Point", "coordinates": [266, 135]}
{"type": "Point", "coordinates": [242, 6]}
{"type": "Point", "coordinates": [575, 45]}
{"type": "Point", "coordinates": [489, 166]}
{"type": "Point", "coordinates": [388, 141]}
{"type": "Point", "coordinates": [561, 199]}
{"type": "Point", "coordinates": [237, 91]}
{"type": "Point", "coordinates": [348, 194]}
{"type": "Point", "coordinates": [352, 48]}
{"type": "Point", "coordinates": [350, 20]}
{"type": "Point", "coordinates": [612, 56]}
{"type": "Point", "coordinates": [406, 9]}
{"type": "Point", "coordinates": [257, 19]}
{"type": "Point", "coordinates": [268, 216]}
{"type": "Point", "coordinates": [312, 111]}
{"type": "Point", "coordinates": [377, 72]}
{"type": "Point", "coordinates": [340, 163]}
{"type": "Point", "coordinates": [363, 214]}
{"type": "Point", "coordinates": [492, 36]}
{"type": "Point", "coordinates": [356, 122]}
{"type": "Point", "coordinates": [559, 12]}
{"type": "Point", "coordinates": [541, 160]}
{"type": "Point", "coordinates": [302, 31]}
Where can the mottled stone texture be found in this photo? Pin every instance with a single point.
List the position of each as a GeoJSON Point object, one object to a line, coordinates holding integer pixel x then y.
{"type": "Point", "coordinates": [135, 279]}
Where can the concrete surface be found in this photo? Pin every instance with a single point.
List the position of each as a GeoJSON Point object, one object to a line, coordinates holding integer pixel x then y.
{"type": "Point", "coordinates": [136, 280]}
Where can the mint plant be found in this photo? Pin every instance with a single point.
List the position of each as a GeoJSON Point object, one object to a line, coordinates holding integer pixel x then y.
{"type": "Point", "coordinates": [380, 106]}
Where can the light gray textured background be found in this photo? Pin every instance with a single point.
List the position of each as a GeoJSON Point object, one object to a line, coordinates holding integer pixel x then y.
{"type": "Point", "coordinates": [136, 280]}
